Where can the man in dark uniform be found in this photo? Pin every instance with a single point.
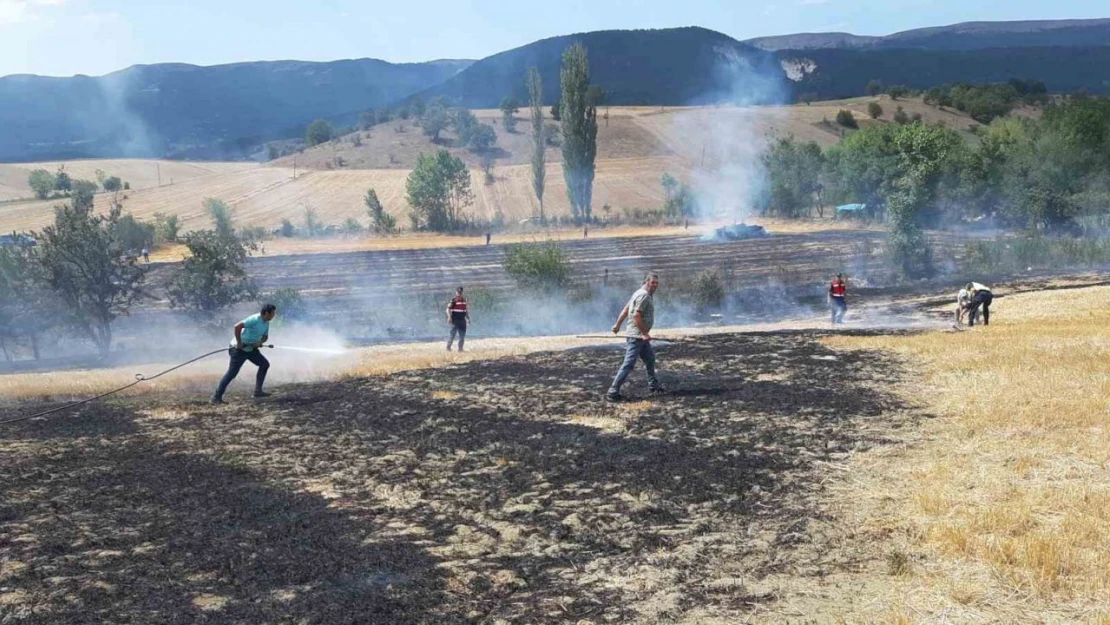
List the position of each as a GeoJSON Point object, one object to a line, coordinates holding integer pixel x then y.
{"type": "Point", "coordinates": [457, 316]}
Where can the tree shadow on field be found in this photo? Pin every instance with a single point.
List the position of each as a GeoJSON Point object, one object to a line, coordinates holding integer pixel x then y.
{"type": "Point", "coordinates": [120, 529]}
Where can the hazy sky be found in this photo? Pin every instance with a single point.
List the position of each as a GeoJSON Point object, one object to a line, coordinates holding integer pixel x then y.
{"type": "Point", "coordinates": [65, 37]}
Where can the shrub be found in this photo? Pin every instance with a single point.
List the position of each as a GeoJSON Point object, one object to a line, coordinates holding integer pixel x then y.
{"type": "Point", "coordinates": [537, 265]}
{"type": "Point", "coordinates": [845, 118]}
{"type": "Point", "coordinates": [709, 291]}
{"type": "Point", "coordinates": [874, 110]}
{"type": "Point", "coordinates": [290, 304]}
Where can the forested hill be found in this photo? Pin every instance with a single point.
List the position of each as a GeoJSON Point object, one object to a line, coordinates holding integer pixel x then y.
{"type": "Point", "coordinates": [155, 110]}
{"type": "Point", "coordinates": [670, 66]}
{"type": "Point", "coordinates": [965, 36]}
{"type": "Point", "coordinates": [835, 73]}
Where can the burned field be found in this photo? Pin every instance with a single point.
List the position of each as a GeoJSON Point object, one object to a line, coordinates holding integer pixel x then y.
{"type": "Point", "coordinates": [493, 491]}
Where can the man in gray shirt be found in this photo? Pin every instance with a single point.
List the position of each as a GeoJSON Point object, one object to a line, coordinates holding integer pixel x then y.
{"type": "Point", "coordinates": [640, 313]}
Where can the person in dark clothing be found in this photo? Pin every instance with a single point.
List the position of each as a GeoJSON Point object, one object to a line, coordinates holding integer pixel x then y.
{"type": "Point", "coordinates": [981, 297]}
{"type": "Point", "coordinates": [250, 334]}
{"type": "Point", "coordinates": [458, 316]}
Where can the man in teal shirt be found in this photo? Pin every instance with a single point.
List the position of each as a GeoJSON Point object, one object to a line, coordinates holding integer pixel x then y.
{"type": "Point", "coordinates": [250, 334]}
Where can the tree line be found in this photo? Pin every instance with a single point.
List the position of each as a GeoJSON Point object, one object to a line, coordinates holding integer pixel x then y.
{"type": "Point", "coordinates": [80, 275]}
{"type": "Point", "coordinates": [1047, 174]}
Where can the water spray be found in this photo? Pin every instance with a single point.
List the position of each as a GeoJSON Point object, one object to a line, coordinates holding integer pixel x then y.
{"type": "Point", "coordinates": [312, 350]}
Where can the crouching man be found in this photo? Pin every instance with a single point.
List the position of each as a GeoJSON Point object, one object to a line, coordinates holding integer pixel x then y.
{"type": "Point", "coordinates": [640, 313]}
{"type": "Point", "coordinates": [250, 334]}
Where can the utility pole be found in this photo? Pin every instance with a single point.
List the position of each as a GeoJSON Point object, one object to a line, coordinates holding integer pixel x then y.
{"type": "Point", "coordinates": [294, 167]}
{"type": "Point", "coordinates": [158, 166]}
{"type": "Point", "coordinates": [703, 155]}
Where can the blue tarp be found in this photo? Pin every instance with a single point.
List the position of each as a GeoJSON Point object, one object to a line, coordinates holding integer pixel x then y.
{"type": "Point", "coordinates": [851, 208]}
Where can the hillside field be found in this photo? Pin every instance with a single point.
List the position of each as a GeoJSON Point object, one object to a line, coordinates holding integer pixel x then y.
{"type": "Point", "coordinates": [635, 148]}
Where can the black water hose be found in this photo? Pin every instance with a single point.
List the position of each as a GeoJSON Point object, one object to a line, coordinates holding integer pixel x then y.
{"type": "Point", "coordinates": [139, 378]}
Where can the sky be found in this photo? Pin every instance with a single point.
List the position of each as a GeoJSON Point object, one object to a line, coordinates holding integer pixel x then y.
{"type": "Point", "coordinates": [94, 37]}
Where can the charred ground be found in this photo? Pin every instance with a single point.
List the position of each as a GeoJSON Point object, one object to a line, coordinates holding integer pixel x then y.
{"type": "Point", "coordinates": [501, 490]}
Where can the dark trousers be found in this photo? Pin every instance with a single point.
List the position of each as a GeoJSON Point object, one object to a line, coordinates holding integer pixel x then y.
{"type": "Point", "coordinates": [984, 299]}
{"type": "Point", "coordinates": [238, 357]}
{"type": "Point", "coordinates": [839, 306]}
{"type": "Point", "coordinates": [458, 328]}
{"type": "Point", "coordinates": [635, 349]}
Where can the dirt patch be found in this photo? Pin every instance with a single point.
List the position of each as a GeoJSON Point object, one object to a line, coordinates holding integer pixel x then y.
{"type": "Point", "coordinates": [488, 491]}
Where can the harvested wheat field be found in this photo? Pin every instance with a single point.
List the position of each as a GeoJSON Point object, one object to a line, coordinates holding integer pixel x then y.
{"type": "Point", "coordinates": [264, 196]}
{"type": "Point", "coordinates": [997, 510]}
{"type": "Point", "coordinates": [140, 173]}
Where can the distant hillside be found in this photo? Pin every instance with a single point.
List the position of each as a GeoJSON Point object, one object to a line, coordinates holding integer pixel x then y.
{"type": "Point", "coordinates": [644, 67]}
{"type": "Point", "coordinates": [835, 73]}
{"type": "Point", "coordinates": [965, 36]}
{"type": "Point", "coordinates": [207, 112]}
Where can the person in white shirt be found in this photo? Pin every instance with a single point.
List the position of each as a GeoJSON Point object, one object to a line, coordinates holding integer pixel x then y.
{"type": "Point", "coordinates": [981, 297]}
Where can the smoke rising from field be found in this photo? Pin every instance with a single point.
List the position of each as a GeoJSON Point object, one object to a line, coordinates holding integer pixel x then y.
{"type": "Point", "coordinates": [726, 174]}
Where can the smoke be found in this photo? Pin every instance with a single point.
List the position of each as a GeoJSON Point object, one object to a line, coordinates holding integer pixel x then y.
{"type": "Point", "coordinates": [127, 133]}
{"type": "Point", "coordinates": [726, 172]}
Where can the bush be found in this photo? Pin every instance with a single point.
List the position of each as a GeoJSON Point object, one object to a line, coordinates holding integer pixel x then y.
{"type": "Point", "coordinates": [845, 118]}
{"type": "Point", "coordinates": [351, 226]}
{"type": "Point", "coordinates": [709, 291]}
{"type": "Point", "coordinates": [290, 304]}
{"type": "Point", "coordinates": [874, 110]}
{"type": "Point", "coordinates": [537, 265]}
{"type": "Point", "coordinates": [900, 117]}
{"type": "Point", "coordinates": [288, 229]}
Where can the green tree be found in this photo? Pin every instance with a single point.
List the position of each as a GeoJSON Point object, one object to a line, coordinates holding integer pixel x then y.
{"type": "Point", "coordinates": [874, 110]}
{"type": "Point", "coordinates": [897, 91]}
{"type": "Point", "coordinates": [845, 118]}
{"type": "Point", "coordinates": [900, 117]}
{"type": "Point", "coordinates": [579, 119]}
{"type": "Point", "coordinates": [220, 213]}
{"type": "Point", "coordinates": [794, 177]}
{"type": "Point", "coordinates": [351, 226]}
{"type": "Point", "coordinates": [112, 184]}
{"type": "Point", "coordinates": [874, 87]}
{"type": "Point", "coordinates": [434, 121]}
{"type": "Point", "coordinates": [381, 222]}
{"type": "Point", "coordinates": [83, 194]}
{"type": "Point", "coordinates": [28, 307]}
{"type": "Point", "coordinates": [509, 107]}
{"type": "Point", "coordinates": [62, 181]}
{"type": "Point", "coordinates": [319, 131]}
{"type": "Point", "coordinates": [212, 277]}
{"type": "Point", "coordinates": [42, 183]}
{"type": "Point", "coordinates": [465, 123]}
{"type": "Point", "coordinates": [312, 225]}
{"type": "Point", "coordinates": [438, 189]}
{"type": "Point", "coordinates": [669, 186]}
{"type": "Point", "coordinates": [288, 230]}
{"type": "Point", "coordinates": [133, 234]}
{"type": "Point", "coordinates": [417, 108]}
{"type": "Point", "coordinates": [83, 262]}
{"type": "Point", "coordinates": [165, 227]}
{"type": "Point", "coordinates": [537, 265]}
{"type": "Point", "coordinates": [534, 83]}
{"type": "Point", "coordinates": [481, 137]}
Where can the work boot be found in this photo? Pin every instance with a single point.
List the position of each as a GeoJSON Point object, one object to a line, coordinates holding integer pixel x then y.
{"type": "Point", "coordinates": [614, 398]}
{"type": "Point", "coordinates": [216, 401]}
{"type": "Point", "coordinates": [260, 394]}
{"type": "Point", "coordinates": [658, 390]}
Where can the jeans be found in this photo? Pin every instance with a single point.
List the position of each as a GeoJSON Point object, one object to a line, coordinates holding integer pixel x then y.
{"type": "Point", "coordinates": [458, 329]}
{"type": "Point", "coordinates": [984, 299]}
{"type": "Point", "coordinates": [839, 306]}
{"type": "Point", "coordinates": [238, 357]}
{"type": "Point", "coordinates": [636, 349]}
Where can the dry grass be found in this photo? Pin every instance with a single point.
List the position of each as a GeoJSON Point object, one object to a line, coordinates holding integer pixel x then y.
{"type": "Point", "coordinates": [140, 173]}
{"type": "Point", "coordinates": [1008, 493]}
